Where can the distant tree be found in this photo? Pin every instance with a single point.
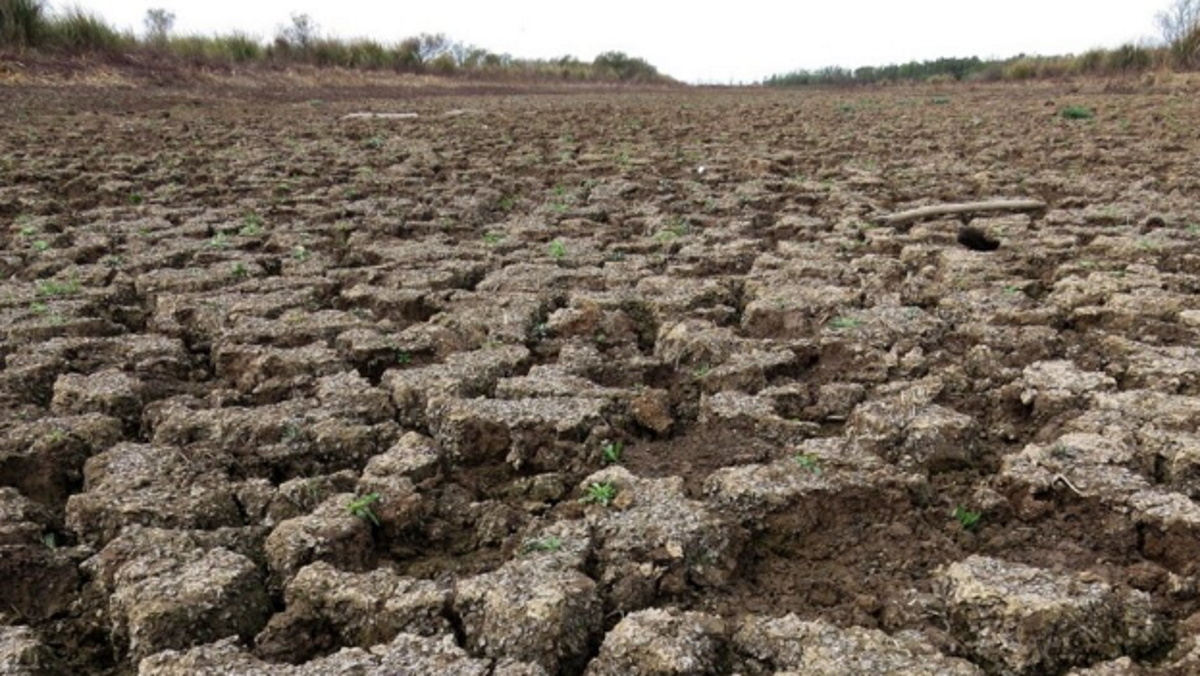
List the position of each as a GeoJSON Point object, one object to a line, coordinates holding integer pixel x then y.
{"type": "Point", "coordinates": [159, 23]}
{"type": "Point", "coordinates": [625, 67]}
{"type": "Point", "coordinates": [1180, 27]}
{"type": "Point", "coordinates": [1178, 20]}
{"type": "Point", "coordinates": [434, 46]}
{"type": "Point", "coordinates": [302, 34]}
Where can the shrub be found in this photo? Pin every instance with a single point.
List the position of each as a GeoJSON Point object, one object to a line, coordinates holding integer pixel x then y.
{"type": "Point", "coordinates": [1127, 58]}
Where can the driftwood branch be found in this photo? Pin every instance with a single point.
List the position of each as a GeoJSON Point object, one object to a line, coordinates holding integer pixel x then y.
{"type": "Point", "coordinates": [905, 217]}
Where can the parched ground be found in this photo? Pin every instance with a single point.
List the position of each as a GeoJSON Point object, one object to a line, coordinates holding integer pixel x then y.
{"type": "Point", "coordinates": [587, 382]}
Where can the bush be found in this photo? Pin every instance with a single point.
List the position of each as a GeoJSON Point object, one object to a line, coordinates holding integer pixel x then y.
{"type": "Point", "coordinates": [1127, 58]}
{"type": "Point", "coordinates": [22, 23]}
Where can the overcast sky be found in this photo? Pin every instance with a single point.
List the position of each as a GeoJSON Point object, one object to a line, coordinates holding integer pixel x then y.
{"type": "Point", "coordinates": [741, 41]}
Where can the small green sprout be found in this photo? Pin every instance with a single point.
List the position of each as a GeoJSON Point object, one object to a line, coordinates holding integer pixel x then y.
{"type": "Point", "coordinates": [361, 507]}
{"type": "Point", "coordinates": [39, 308]}
{"type": "Point", "coordinates": [809, 462]}
{"type": "Point", "coordinates": [403, 358]}
{"type": "Point", "coordinates": [612, 452]}
{"type": "Point", "coordinates": [41, 245]}
{"type": "Point", "coordinates": [135, 199]}
{"type": "Point", "coordinates": [219, 241]}
{"type": "Point", "coordinates": [558, 250]}
{"type": "Point", "coordinates": [701, 372]}
{"type": "Point", "coordinates": [301, 253]}
{"type": "Point", "coordinates": [240, 271]}
{"type": "Point", "coordinates": [492, 238]}
{"type": "Point", "coordinates": [601, 493]}
{"type": "Point", "coordinates": [507, 203]}
{"type": "Point", "coordinates": [550, 543]}
{"type": "Point", "coordinates": [112, 261]}
{"type": "Point", "coordinates": [966, 518]}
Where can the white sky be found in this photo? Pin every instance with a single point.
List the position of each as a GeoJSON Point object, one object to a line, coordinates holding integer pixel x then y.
{"type": "Point", "coordinates": [694, 41]}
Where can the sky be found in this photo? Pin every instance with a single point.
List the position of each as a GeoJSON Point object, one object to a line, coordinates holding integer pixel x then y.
{"type": "Point", "coordinates": [715, 43]}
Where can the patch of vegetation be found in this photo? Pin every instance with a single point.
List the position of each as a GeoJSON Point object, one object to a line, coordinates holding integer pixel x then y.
{"type": "Point", "coordinates": [549, 543]}
{"type": "Point", "coordinates": [219, 241]}
{"type": "Point", "coordinates": [966, 518]}
{"type": "Point", "coordinates": [808, 462]}
{"type": "Point", "coordinates": [301, 253]}
{"type": "Point", "coordinates": [492, 238]}
{"type": "Point", "coordinates": [53, 287]}
{"type": "Point", "coordinates": [252, 225]}
{"type": "Point", "coordinates": [612, 451]}
{"type": "Point", "coordinates": [239, 271]}
{"type": "Point", "coordinates": [1077, 113]}
{"type": "Point", "coordinates": [558, 250]}
{"type": "Point", "coordinates": [361, 508]}
{"type": "Point", "coordinates": [600, 493]}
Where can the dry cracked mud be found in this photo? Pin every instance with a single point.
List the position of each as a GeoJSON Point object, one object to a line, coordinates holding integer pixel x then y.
{"type": "Point", "coordinates": [597, 382]}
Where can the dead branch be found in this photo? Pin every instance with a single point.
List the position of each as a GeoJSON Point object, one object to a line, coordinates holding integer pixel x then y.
{"type": "Point", "coordinates": [914, 215]}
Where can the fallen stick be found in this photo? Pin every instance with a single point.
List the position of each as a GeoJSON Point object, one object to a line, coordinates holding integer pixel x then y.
{"type": "Point", "coordinates": [913, 215]}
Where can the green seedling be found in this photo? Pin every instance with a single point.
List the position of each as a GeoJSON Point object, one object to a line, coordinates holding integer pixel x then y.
{"type": "Point", "coordinates": [600, 493]}
{"type": "Point", "coordinates": [112, 261]}
{"type": "Point", "coordinates": [240, 271]}
{"type": "Point", "coordinates": [558, 250]}
{"type": "Point", "coordinates": [492, 238]}
{"type": "Point", "coordinates": [702, 372]}
{"type": "Point", "coordinates": [612, 452]}
{"type": "Point", "coordinates": [301, 253]}
{"type": "Point", "coordinates": [41, 245]}
{"type": "Point", "coordinates": [547, 544]}
{"type": "Point", "coordinates": [403, 358]}
{"type": "Point", "coordinates": [966, 518]}
{"type": "Point", "coordinates": [361, 507]}
{"type": "Point", "coordinates": [28, 231]}
{"type": "Point", "coordinates": [1077, 113]}
{"type": "Point", "coordinates": [809, 462]}
{"type": "Point", "coordinates": [135, 199]}
{"type": "Point", "coordinates": [219, 241]}
{"type": "Point", "coordinates": [507, 203]}
{"type": "Point", "coordinates": [939, 100]}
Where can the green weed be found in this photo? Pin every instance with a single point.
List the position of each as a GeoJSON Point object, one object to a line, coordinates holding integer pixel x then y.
{"type": "Point", "coordinates": [600, 493]}
{"type": "Point", "coordinates": [612, 452]}
{"type": "Point", "coordinates": [361, 507]}
{"type": "Point", "coordinates": [808, 462]}
{"type": "Point", "coordinates": [52, 287]}
{"type": "Point", "coordinates": [547, 544]}
{"type": "Point", "coordinates": [843, 323]}
{"type": "Point", "coordinates": [252, 225]}
{"type": "Point", "coordinates": [558, 250]}
{"type": "Point", "coordinates": [966, 518]}
{"type": "Point", "coordinates": [1077, 113]}
{"type": "Point", "coordinates": [301, 253]}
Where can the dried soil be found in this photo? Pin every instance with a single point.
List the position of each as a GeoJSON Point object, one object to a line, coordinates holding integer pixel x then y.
{"type": "Point", "coordinates": [231, 316]}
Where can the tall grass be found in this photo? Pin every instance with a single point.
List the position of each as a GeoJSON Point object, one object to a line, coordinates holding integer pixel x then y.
{"type": "Point", "coordinates": [22, 23]}
{"type": "Point", "coordinates": [78, 30]}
